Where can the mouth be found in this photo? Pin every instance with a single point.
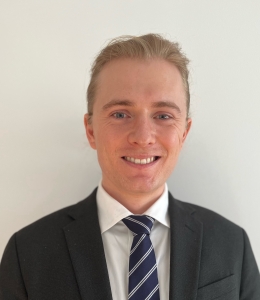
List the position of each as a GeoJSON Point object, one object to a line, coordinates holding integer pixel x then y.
{"type": "Point", "coordinates": [141, 161]}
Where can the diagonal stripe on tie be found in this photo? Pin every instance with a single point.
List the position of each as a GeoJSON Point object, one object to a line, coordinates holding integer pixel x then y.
{"type": "Point", "coordinates": [143, 279]}
{"type": "Point", "coordinates": [137, 244]}
{"type": "Point", "coordinates": [140, 223]}
{"type": "Point", "coordinates": [141, 260]}
{"type": "Point", "coordinates": [152, 292]}
{"type": "Point", "coordinates": [146, 277]}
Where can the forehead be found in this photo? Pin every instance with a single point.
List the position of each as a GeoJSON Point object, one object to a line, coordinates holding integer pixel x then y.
{"type": "Point", "coordinates": [139, 79]}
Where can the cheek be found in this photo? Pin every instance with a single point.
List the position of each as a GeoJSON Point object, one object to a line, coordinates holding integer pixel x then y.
{"type": "Point", "coordinates": [172, 143]}
{"type": "Point", "coordinates": [171, 138]}
{"type": "Point", "coordinates": [107, 144]}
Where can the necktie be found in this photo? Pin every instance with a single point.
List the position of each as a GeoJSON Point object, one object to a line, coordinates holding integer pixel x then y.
{"type": "Point", "coordinates": [143, 280]}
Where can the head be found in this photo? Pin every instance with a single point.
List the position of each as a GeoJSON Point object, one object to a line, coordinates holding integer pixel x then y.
{"type": "Point", "coordinates": [144, 47]}
{"type": "Point", "coordinates": [138, 106]}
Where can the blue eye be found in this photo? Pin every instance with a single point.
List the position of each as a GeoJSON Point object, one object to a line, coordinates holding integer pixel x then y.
{"type": "Point", "coordinates": [163, 117]}
{"type": "Point", "coordinates": [119, 115]}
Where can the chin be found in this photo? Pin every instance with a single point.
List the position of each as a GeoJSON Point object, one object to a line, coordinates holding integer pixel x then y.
{"type": "Point", "coordinates": [142, 187]}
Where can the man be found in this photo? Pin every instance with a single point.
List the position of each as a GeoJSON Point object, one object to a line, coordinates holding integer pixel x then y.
{"type": "Point", "coordinates": [130, 239]}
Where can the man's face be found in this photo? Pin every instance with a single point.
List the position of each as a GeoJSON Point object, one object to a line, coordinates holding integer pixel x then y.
{"type": "Point", "coordinates": [139, 124]}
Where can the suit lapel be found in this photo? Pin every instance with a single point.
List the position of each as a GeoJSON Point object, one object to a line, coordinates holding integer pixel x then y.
{"type": "Point", "coordinates": [186, 241]}
{"type": "Point", "coordinates": [86, 250]}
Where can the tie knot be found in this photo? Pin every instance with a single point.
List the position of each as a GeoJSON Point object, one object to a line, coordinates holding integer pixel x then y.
{"type": "Point", "coordinates": [139, 224]}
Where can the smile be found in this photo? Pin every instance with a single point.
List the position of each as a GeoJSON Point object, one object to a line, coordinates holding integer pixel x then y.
{"type": "Point", "coordinates": [142, 161]}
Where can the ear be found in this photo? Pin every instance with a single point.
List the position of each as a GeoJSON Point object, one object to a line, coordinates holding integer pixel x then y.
{"type": "Point", "coordinates": [187, 129]}
{"type": "Point", "coordinates": [89, 131]}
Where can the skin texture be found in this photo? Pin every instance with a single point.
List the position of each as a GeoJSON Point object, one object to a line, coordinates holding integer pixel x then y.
{"type": "Point", "coordinates": [140, 112]}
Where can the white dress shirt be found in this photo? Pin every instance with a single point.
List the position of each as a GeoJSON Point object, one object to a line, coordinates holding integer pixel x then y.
{"type": "Point", "coordinates": [117, 241]}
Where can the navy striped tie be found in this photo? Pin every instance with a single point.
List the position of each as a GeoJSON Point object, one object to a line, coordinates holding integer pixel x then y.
{"type": "Point", "coordinates": [143, 280]}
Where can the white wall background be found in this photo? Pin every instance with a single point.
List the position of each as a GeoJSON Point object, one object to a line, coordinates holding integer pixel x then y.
{"type": "Point", "coordinates": [46, 48]}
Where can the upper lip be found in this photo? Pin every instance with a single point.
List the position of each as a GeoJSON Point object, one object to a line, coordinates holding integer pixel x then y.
{"type": "Point", "coordinates": [141, 156]}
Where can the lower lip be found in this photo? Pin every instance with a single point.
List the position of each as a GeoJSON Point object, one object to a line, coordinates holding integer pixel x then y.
{"type": "Point", "coordinates": [141, 166]}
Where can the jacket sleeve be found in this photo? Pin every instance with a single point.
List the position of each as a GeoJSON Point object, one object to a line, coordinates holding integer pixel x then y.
{"type": "Point", "coordinates": [250, 278]}
{"type": "Point", "coordinates": [11, 281]}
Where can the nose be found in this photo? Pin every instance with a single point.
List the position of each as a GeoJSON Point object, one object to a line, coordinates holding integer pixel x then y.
{"type": "Point", "coordinates": [142, 133]}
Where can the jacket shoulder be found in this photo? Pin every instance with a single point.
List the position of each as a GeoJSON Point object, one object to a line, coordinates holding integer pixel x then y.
{"type": "Point", "coordinates": [53, 224]}
{"type": "Point", "coordinates": [207, 216]}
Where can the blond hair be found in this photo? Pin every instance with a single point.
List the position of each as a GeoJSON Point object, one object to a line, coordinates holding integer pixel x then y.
{"type": "Point", "coordinates": [144, 47]}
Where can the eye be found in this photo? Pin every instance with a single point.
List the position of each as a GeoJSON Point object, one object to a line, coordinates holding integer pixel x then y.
{"type": "Point", "coordinates": [163, 117]}
{"type": "Point", "coordinates": [119, 115]}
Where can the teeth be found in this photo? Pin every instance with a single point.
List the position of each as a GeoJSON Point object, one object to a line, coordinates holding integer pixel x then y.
{"type": "Point", "coordinates": [138, 161]}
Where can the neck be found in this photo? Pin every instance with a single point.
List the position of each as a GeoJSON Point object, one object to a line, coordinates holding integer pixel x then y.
{"type": "Point", "coordinates": [136, 203]}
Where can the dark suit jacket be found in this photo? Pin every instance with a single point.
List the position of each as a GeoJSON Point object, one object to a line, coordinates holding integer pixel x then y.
{"type": "Point", "coordinates": [61, 257]}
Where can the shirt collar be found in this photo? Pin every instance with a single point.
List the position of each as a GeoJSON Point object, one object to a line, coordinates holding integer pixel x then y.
{"type": "Point", "coordinates": [110, 211]}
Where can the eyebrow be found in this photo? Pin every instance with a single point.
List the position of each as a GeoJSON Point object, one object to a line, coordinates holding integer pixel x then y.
{"type": "Point", "coordinates": [166, 104]}
{"type": "Point", "coordinates": [116, 102]}
{"type": "Point", "coordinates": [158, 104]}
